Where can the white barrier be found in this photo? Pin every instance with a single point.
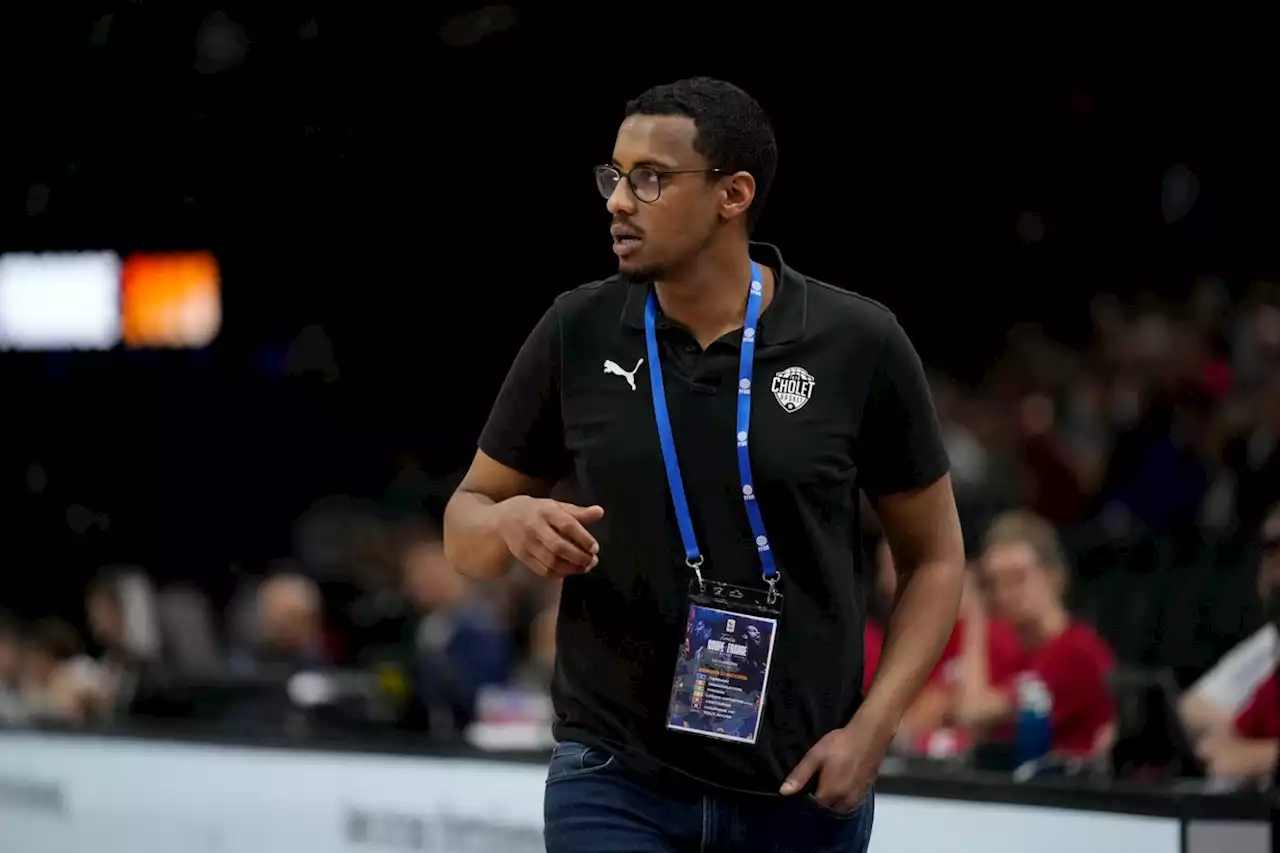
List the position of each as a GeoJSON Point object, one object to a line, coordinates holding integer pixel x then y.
{"type": "Point", "coordinates": [103, 795]}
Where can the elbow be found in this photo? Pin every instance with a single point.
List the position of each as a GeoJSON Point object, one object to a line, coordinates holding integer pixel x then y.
{"type": "Point", "coordinates": [470, 561]}
{"type": "Point", "coordinates": [471, 543]}
{"type": "Point", "coordinates": [455, 536]}
{"type": "Point", "coordinates": [454, 554]}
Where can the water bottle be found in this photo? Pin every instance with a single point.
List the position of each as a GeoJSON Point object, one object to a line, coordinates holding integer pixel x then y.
{"type": "Point", "coordinates": [1034, 738]}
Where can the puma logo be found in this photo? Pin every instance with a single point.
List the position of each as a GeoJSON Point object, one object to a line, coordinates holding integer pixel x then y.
{"type": "Point", "coordinates": [612, 368]}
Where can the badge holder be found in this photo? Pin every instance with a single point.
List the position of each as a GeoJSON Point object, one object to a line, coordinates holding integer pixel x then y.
{"type": "Point", "coordinates": [722, 672]}
{"type": "Point", "coordinates": [715, 594]}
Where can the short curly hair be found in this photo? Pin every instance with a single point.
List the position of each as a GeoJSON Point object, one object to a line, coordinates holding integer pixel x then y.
{"type": "Point", "coordinates": [734, 132]}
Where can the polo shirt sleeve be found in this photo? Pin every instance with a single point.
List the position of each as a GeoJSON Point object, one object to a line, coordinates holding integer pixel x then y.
{"type": "Point", "coordinates": [525, 429]}
{"type": "Point", "coordinates": [901, 441]}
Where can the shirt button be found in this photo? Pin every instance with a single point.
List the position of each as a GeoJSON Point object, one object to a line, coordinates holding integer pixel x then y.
{"type": "Point", "coordinates": [690, 347]}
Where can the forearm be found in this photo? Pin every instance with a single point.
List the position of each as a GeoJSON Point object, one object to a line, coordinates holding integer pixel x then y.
{"type": "Point", "coordinates": [930, 711]}
{"type": "Point", "coordinates": [923, 616]}
{"type": "Point", "coordinates": [472, 542]}
{"type": "Point", "coordinates": [1200, 715]}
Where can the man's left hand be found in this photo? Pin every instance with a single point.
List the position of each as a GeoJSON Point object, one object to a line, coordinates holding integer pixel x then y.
{"type": "Point", "coordinates": [845, 761]}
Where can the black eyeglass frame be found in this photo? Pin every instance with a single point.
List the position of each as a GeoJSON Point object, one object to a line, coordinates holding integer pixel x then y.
{"type": "Point", "coordinates": [659, 174]}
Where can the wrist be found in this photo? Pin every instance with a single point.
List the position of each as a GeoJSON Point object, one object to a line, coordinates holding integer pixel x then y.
{"type": "Point", "coordinates": [503, 510]}
{"type": "Point", "coordinates": [879, 718]}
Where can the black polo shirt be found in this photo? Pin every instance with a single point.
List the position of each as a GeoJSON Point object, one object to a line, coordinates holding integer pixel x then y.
{"type": "Point", "coordinates": [840, 403]}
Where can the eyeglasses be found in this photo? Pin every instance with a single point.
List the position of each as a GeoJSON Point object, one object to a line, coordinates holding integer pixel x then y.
{"type": "Point", "coordinates": [645, 181]}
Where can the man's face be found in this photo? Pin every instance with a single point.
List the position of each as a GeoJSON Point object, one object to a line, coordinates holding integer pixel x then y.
{"type": "Point", "coordinates": [1269, 564]}
{"type": "Point", "coordinates": [1022, 588]}
{"type": "Point", "coordinates": [652, 237]}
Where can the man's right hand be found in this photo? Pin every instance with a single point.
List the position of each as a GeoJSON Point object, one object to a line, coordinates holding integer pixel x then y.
{"type": "Point", "coordinates": [549, 536]}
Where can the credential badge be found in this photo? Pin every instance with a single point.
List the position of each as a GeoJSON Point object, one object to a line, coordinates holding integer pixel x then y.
{"type": "Point", "coordinates": [792, 387]}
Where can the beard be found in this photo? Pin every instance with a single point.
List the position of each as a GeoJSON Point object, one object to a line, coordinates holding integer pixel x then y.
{"type": "Point", "coordinates": [643, 274]}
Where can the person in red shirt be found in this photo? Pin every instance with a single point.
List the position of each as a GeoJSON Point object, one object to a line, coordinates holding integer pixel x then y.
{"type": "Point", "coordinates": [935, 706]}
{"type": "Point", "coordinates": [1247, 750]}
{"type": "Point", "coordinates": [1234, 709]}
{"type": "Point", "coordinates": [1260, 719]}
{"type": "Point", "coordinates": [1006, 657]}
{"type": "Point", "coordinates": [1026, 570]}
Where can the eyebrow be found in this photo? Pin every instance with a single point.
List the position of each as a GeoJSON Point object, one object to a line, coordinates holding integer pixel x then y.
{"type": "Point", "coordinates": [651, 164]}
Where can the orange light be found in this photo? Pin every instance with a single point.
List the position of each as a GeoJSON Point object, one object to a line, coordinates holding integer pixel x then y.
{"type": "Point", "coordinates": [171, 300]}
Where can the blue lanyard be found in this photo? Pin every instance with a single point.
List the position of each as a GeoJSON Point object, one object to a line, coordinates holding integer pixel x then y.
{"type": "Point", "coordinates": [693, 556]}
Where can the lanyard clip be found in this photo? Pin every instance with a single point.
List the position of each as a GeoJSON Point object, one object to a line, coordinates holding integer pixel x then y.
{"type": "Point", "coordinates": [695, 563]}
{"type": "Point", "coordinates": [772, 581]}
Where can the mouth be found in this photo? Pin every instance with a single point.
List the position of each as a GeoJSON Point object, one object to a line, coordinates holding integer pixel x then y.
{"type": "Point", "coordinates": [625, 244]}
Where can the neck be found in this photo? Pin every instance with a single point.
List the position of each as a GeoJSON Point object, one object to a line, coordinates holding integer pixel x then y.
{"type": "Point", "coordinates": [708, 296]}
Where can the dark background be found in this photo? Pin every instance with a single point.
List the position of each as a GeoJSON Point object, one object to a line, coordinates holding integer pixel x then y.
{"type": "Point", "coordinates": [420, 191]}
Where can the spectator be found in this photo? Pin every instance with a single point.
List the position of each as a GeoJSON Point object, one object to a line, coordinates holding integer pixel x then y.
{"type": "Point", "coordinates": [1233, 710]}
{"type": "Point", "coordinates": [59, 682]}
{"type": "Point", "coordinates": [1253, 458]}
{"type": "Point", "coordinates": [1006, 658]}
{"type": "Point", "coordinates": [121, 611]}
{"type": "Point", "coordinates": [290, 623]}
{"type": "Point", "coordinates": [459, 643]}
{"type": "Point", "coordinates": [935, 706]}
{"type": "Point", "coordinates": [1024, 563]}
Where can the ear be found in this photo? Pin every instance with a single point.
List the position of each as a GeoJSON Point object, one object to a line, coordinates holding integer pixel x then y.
{"type": "Point", "coordinates": [738, 191]}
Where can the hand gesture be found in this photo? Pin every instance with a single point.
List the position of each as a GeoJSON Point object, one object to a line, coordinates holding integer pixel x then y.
{"type": "Point", "coordinates": [549, 536]}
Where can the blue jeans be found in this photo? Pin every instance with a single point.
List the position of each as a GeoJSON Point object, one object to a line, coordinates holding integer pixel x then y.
{"type": "Point", "coordinates": [593, 805]}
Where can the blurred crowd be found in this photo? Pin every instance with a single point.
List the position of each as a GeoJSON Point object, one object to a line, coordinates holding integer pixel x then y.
{"type": "Point", "coordinates": [1137, 466]}
{"type": "Point", "coordinates": [1165, 421]}
{"type": "Point", "coordinates": [368, 626]}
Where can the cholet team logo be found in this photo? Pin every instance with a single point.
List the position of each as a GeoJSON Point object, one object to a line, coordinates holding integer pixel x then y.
{"type": "Point", "coordinates": [792, 388]}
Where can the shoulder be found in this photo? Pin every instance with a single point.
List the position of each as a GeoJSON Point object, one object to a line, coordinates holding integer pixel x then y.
{"type": "Point", "coordinates": [849, 310]}
{"type": "Point", "coordinates": [1081, 640]}
{"type": "Point", "coordinates": [587, 300]}
{"type": "Point", "coordinates": [582, 310]}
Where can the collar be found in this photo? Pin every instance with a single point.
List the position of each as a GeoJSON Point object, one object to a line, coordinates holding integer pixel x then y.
{"type": "Point", "coordinates": [782, 322]}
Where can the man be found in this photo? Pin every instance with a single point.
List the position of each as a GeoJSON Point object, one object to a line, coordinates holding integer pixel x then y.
{"type": "Point", "coordinates": [1232, 710]}
{"type": "Point", "coordinates": [290, 622]}
{"type": "Point", "coordinates": [1026, 568]}
{"type": "Point", "coordinates": [681, 489]}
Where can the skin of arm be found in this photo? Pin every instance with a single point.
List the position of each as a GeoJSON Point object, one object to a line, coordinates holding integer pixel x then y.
{"type": "Point", "coordinates": [472, 543]}
{"type": "Point", "coordinates": [923, 531]}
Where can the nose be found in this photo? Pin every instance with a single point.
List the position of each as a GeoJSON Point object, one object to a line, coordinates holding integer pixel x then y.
{"type": "Point", "coordinates": [621, 199]}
